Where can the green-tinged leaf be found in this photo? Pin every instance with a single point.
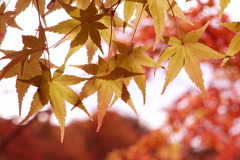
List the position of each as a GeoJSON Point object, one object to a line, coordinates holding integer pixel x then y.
{"type": "Point", "coordinates": [58, 105]}
{"type": "Point", "coordinates": [184, 53]}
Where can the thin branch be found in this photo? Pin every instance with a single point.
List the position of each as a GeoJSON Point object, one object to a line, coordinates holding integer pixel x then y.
{"type": "Point", "coordinates": [134, 32]}
{"type": "Point", "coordinates": [175, 21]}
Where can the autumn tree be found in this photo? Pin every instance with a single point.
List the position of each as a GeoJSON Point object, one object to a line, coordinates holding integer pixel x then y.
{"type": "Point", "coordinates": [206, 128]}
{"type": "Point", "coordinates": [40, 139]}
{"type": "Point", "coordinates": [92, 24]}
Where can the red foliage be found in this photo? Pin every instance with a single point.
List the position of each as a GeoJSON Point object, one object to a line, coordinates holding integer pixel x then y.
{"type": "Point", "coordinates": [206, 128]}
{"type": "Point", "coordinates": [40, 141]}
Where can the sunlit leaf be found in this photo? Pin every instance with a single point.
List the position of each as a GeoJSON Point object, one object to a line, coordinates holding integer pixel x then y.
{"type": "Point", "coordinates": [184, 53]}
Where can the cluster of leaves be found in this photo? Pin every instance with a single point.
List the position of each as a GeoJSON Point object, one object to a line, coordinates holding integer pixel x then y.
{"type": "Point", "coordinates": [90, 23]}
{"type": "Point", "coordinates": [204, 128]}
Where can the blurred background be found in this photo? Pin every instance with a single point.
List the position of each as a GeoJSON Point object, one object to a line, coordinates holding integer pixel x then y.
{"type": "Point", "coordinates": [177, 125]}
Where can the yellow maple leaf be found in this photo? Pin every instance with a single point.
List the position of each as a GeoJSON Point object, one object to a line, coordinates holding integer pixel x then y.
{"type": "Point", "coordinates": [132, 59]}
{"type": "Point", "coordinates": [108, 80]}
{"type": "Point", "coordinates": [184, 53]}
{"type": "Point", "coordinates": [234, 46]}
{"type": "Point", "coordinates": [157, 9]}
{"type": "Point", "coordinates": [84, 24]}
{"type": "Point", "coordinates": [223, 5]}
{"type": "Point", "coordinates": [56, 90]}
{"type": "Point", "coordinates": [25, 63]}
{"type": "Point", "coordinates": [6, 19]}
{"type": "Point", "coordinates": [22, 5]}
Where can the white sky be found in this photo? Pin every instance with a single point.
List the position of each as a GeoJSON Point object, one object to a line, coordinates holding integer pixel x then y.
{"type": "Point", "coordinates": [149, 114]}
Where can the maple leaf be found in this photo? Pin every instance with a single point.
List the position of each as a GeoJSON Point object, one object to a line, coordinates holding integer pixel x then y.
{"type": "Point", "coordinates": [22, 5]}
{"type": "Point", "coordinates": [25, 63]}
{"type": "Point", "coordinates": [54, 89]}
{"type": "Point", "coordinates": [85, 23]}
{"type": "Point", "coordinates": [184, 53]}
{"type": "Point", "coordinates": [129, 8]}
{"type": "Point", "coordinates": [223, 4]}
{"type": "Point", "coordinates": [33, 49]}
{"type": "Point", "coordinates": [6, 19]}
{"type": "Point", "coordinates": [107, 80]}
{"type": "Point", "coordinates": [234, 44]}
{"type": "Point", "coordinates": [132, 60]}
{"type": "Point", "coordinates": [157, 9]}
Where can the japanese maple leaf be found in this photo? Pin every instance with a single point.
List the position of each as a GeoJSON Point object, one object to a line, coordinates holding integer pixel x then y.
{"type": "Point", "coordinates": [84, 24]}
{"type": "Point", "coordinates": [223, 4]}
{"type": "Point", "coordinates": [54, 5]}
{"type": "Point", "coordinates": [25, 63]}
{"type": "Point", "coordinates": [107, 80]}
{"type": "Point", "coordinates": [22, 5]}
{"type": "Point", "coordinates": [184, 53]}
{"type": "Point", "coordinates": [234, 46]}
{"type": "Point", "coordinates": [33, 49]}
{"type": "Point", "coordinates": [56, 90]}
{"type": "Point", "coordinates": [157, 9]}
{"type": "Point", "coordinates": [6, 19]}
{"type": "Point", "coordinates": [133, 60]}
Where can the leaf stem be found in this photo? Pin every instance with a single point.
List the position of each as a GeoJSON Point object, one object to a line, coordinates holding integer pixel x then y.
{"type": "Point", "coordinates": [134, 32]}
{"type": "Point", "coordinates": [57, 43]}
{"type": "Point", "coordinates": [175, 21]}
{"type": "Point", "coordinates": [112, 13]}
